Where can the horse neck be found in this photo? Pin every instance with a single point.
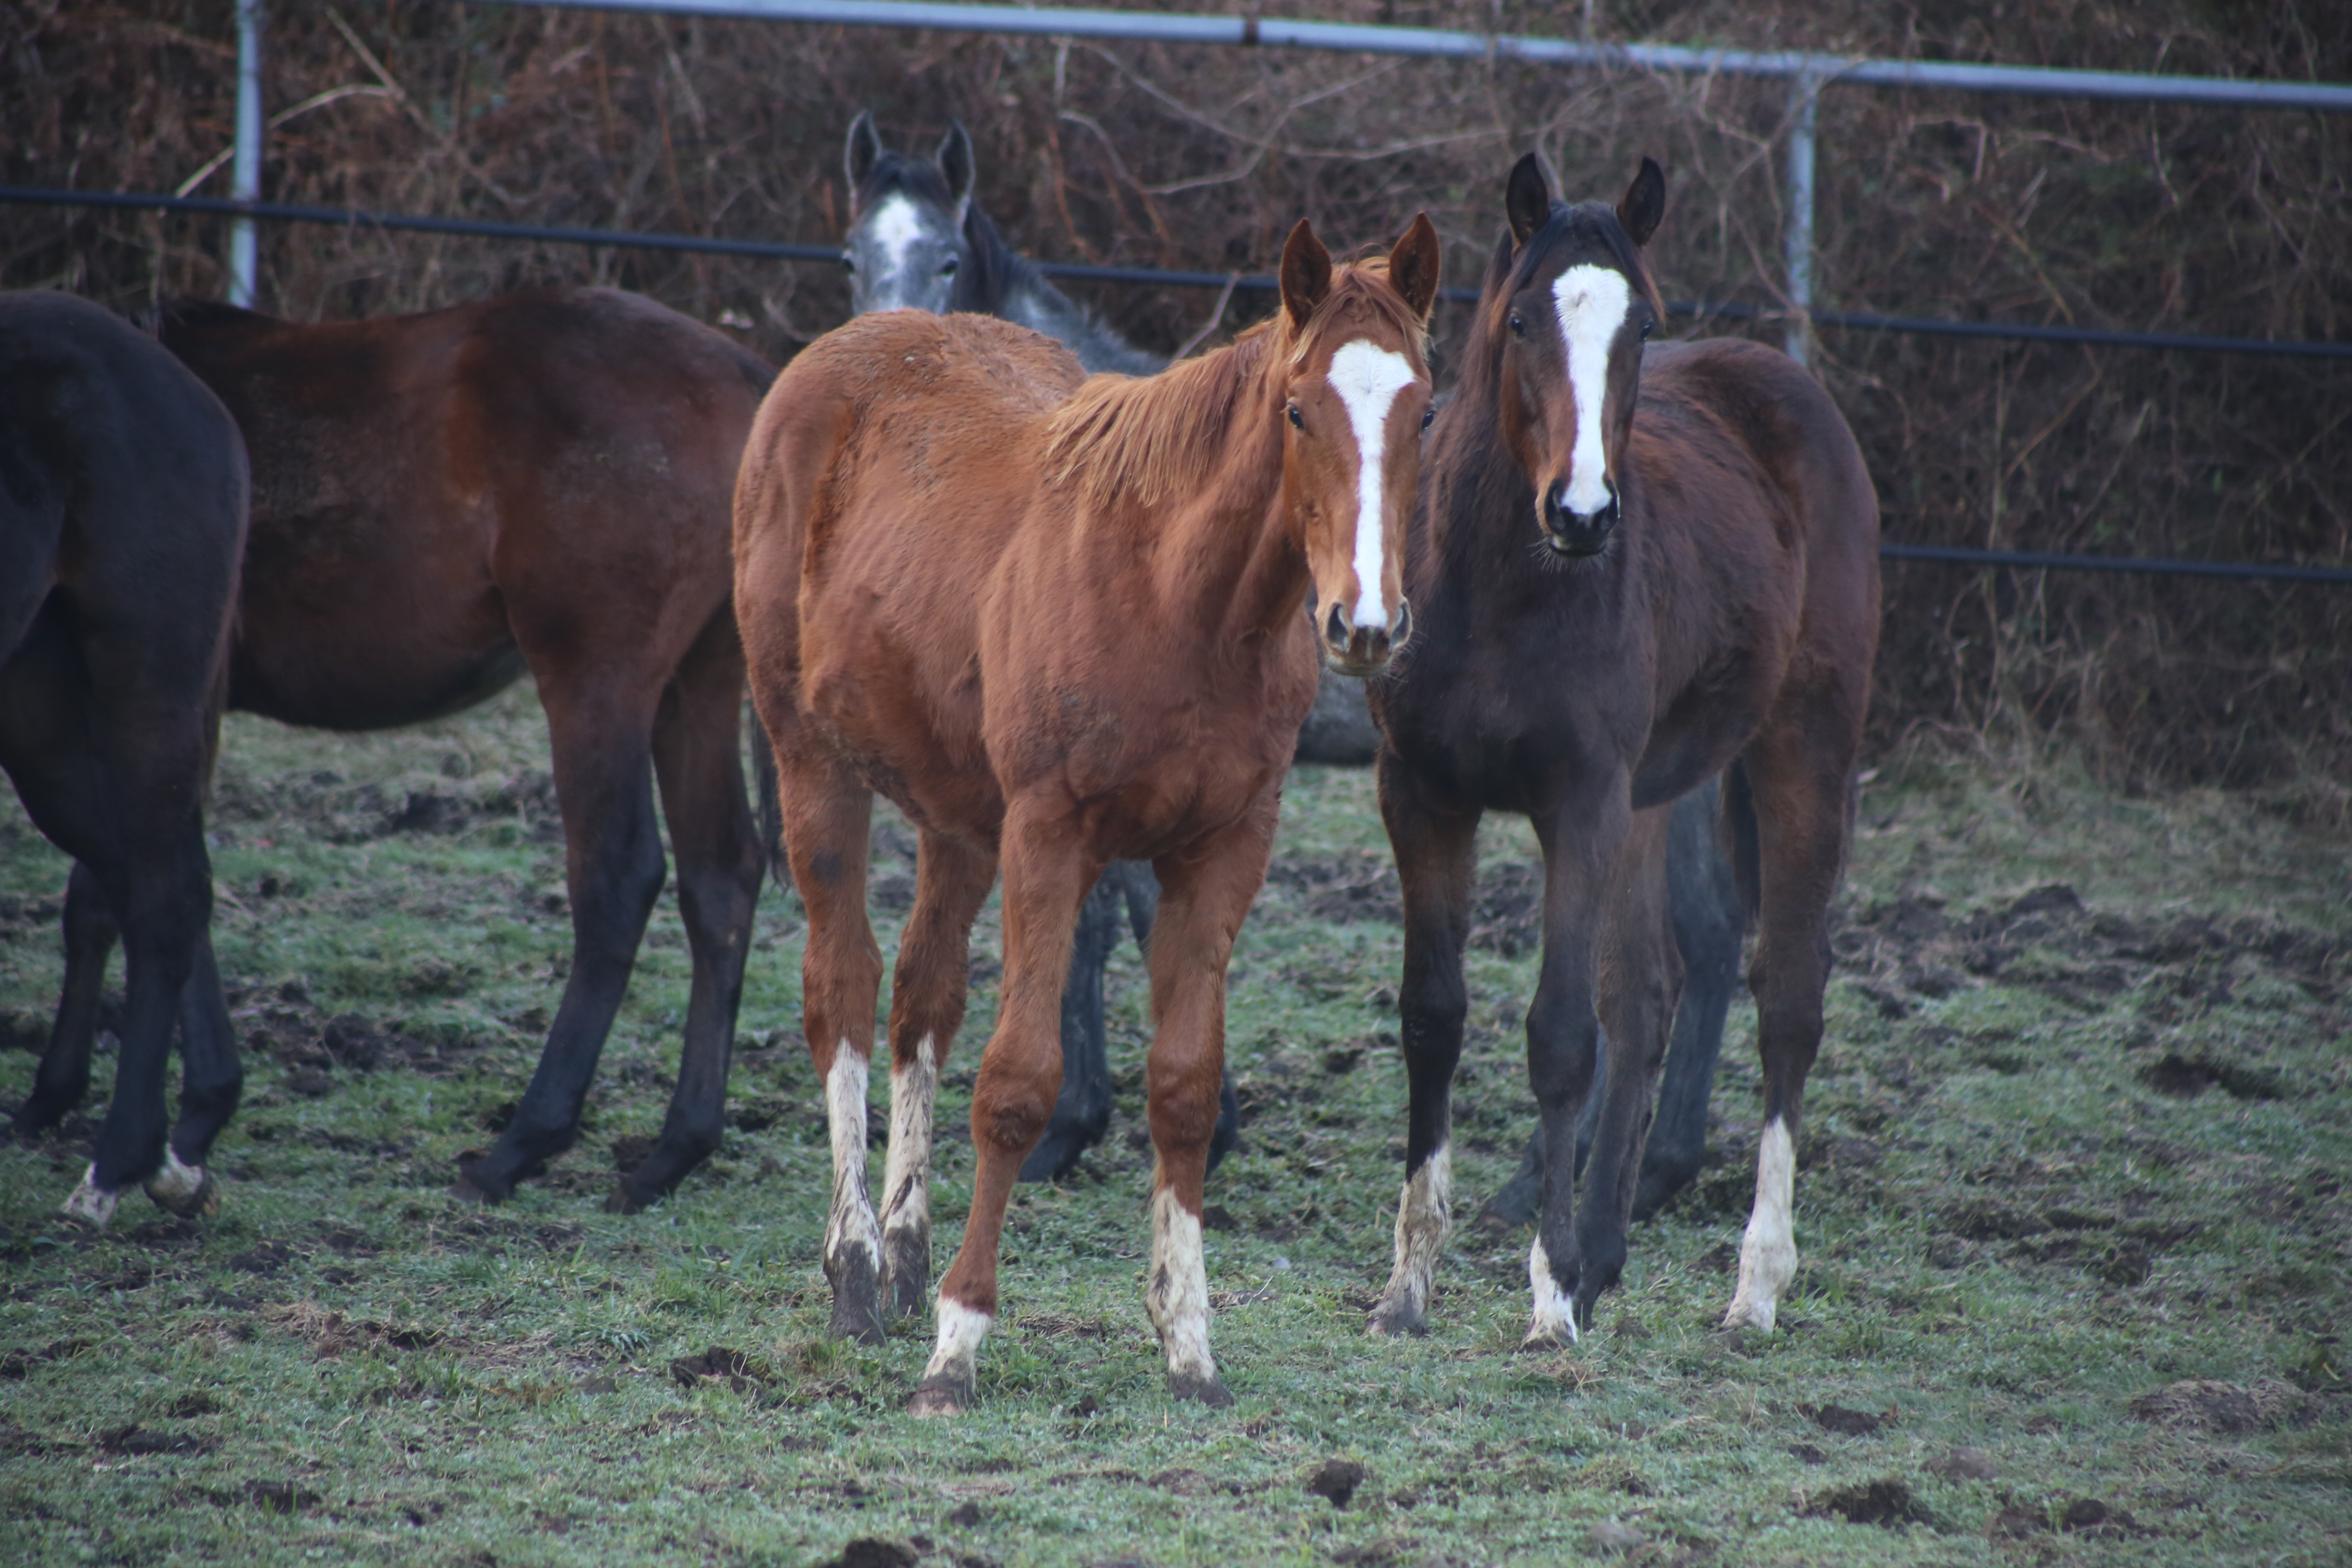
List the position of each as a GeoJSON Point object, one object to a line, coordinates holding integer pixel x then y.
{"type": "Point", "coordinates": [1225, 554]}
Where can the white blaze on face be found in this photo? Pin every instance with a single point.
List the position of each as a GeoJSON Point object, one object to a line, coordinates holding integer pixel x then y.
{"type": "Point", "coordinates": [896, 226]}
{"type": "Point", "coordinates": [1591, 303]}
{"type": "Point", "coordinates": [1424, 1216]}
{"type": "Point", "coordinates": [852, 1223]}
{"type": "Point", "coordinates": [1368, 379]}
{"type": "Point", "coordinates": [1767, 1254]}
{"type": "Point", "coordinates": [1555, 1313]}
{"type": "Point", "coordinates": [1178, 1295]}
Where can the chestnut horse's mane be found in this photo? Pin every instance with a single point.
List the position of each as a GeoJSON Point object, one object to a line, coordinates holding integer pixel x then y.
{"type": "Point", "coordinates": [1151, 437]}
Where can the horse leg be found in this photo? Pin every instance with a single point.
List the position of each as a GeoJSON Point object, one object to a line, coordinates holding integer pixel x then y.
{"type": "Point", "coordinates": [1703, 904]}
{"type": "Point", "coordinates": [1640, 979]}
{"type": "Point", "coordinates": [1082, 1112]}
{"type": "Point", "coordinates": [1580, 835]}
{"type": "Point", "coordinates": [1205, 893]}
{"type": "Point", "coordinates": [928, 991]}
{"type": "Point", "coordinates": [696, 759]}
{"type": "Point", "coordinates": [828, 816]}
{"type": "Point", "coordinates": [1436, 855]}
{"type": "Point", "coordinates": [63, 1079]}
{"type": "Point", "coordinates": [1046, 874]}
{"type": "Point", "coordinates": [211, 1081]}
{"type": "Point", "coordinates": [614, 868]}
{"type": "Point", "coordinates": [1801, 823]}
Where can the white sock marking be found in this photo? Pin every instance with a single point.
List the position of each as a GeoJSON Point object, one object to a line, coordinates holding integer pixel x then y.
{"type": "Point", "coordinates": [92, 1204]}
{"type": "Point", "coordinates": [1178, 1295]}
{"type": "Point", "coordinates": [1555, 1313]}
{"type": "Point", "coordinates": [1424, 1219]}
{"type": "Point", "coordinates": [174, 1182]}
{"type": "Point", "coordinates": [907, 1175]}
{"type": "Point", "coordinates": [851, 1222]}
{"type": "Point", "coordinates": [1767, 1254]}
{"type": "Point", "coordinates": [956, 1354]}
{"type": "Point", "coordinates": [1590, 302]}
{"type": "Point", "coordinates": [1368, 379]}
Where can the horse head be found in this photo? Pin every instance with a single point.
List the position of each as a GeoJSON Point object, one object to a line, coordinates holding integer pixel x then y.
{"type": "Point", "coordinates": [1356, 401]}
{"type": "Point", "coordinates": [1570, 304]}
{"type": "Point", "coordinates": [908, 247]}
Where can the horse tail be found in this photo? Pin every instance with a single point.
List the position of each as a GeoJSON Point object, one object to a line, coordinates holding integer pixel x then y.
{"type": "Point", "coordinates": [1738, 830]}
{"type": "Point", "coordinates": [772, 804]}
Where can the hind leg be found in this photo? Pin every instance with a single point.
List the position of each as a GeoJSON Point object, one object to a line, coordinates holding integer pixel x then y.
{"type": "Point", "coordinates": [1800, 827]}
{"type": "Point", "coordinates": [614, 867]}
{"type": "Point", "coordinates": [1703, 903]}
{"type": "Point", "coordinates": [696, 754]}
{"type": "Point", "coordinates": [928, 991]}
{"type": "Point", "coordinates": [211, 1081]}
{"type": "Point", "coordinates": [1436, 855]}
{"type": "Point", "coordinates": [90, 933]}
{"type": "Point", "coordinates": [1046, 874]}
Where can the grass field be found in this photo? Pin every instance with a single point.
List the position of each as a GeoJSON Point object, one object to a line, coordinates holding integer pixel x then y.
{"type": "Point", "coordinates": [2074, 1232]}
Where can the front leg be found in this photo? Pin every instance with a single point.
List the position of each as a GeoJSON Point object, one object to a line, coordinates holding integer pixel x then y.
{"type": "Point", "coordinates": [1436, 855]}
{"type": "Point", "coordinates": [1580, 835]}
{"type": "Point", "coordinates": [1047, 875]}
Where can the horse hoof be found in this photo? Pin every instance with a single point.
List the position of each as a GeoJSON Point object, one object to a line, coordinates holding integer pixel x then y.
{"type": "Point", "coordinates": [188, 1191]}
{"type": "Point", "coordinates": [1749, 1317]}
{"type": "Point", "coordinates": [621, 1200]}
{"type": "Point", "coordinates": [1396, 1320]}
{"type": "Point", "coordinates": [856, 1305]}
{"type": "Point", "coordinates": [1551, 1335]}
{"type": "Point", "coordinates": [91, 1204]}
{"type": "Point", "coordinates": [936, 1397]}
{"type": "Point", "coordinates": [1210, 1389]}
{"type": "Point", "coordinates": [906, 1274]}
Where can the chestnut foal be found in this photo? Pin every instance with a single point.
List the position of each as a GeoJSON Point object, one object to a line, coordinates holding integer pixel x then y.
{"type": "Point", "coordinates": [1634, 570]}
{"type": "Point", "coordinates": [1059, 624]}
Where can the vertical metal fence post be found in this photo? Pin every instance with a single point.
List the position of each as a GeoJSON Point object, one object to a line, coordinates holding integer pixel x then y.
{"type": "Point", "coordinates": [247, 171]}
{"type": "Point", "coordinates": [1804, 89]}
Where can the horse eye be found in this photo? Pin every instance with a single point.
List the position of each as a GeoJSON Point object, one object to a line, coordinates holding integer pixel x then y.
{"type": "Point", "coordinates": [947, 267]}
{"type": "Point", "coordinates": [848, 262]}
{"type": "Point", "coordinates": [1297, 420]}
{"type": "Point", "coordinates": [1518, 327]}
{"type": "Point", "coordinates": [1647, 327]}
{"type": "Point", "coordinates": [1426, 416]}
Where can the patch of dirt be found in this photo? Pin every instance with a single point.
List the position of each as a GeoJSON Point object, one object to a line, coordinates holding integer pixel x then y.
{"type": "Point", "coordinates": [1839, 1421]}
{"type": "Point", "coordinates": [272, 1497]}
{"type": "Point", "coordinates": [332, 1334]}
{"type": "Point", "coordinates": [135, 1440]}
{"type": "Point", "coordinates": [1062, 1326]}
{"type": "Point", "coordinates": [1337, 1481]}
{"type": "Point", "coordinates": [2203, 1405]}
{"type": "Point", "coordinates": [720, 1366]}
{"type": "Point", "coordinates": [1886, 1502]}
{"type": "Point", "coordinates": [1964, 1465]}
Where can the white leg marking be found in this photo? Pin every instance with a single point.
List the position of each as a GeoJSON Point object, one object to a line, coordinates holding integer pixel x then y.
{"type": "Point", "coordinates": [956, 1354]}
{"type": "Point", "coordinates": [907, 1175]}
{"type": "Point", "coordinates": [1424, 1219]}
{"type": "Point", "coordinates": [1367, 378]}
{"type": "Point", "coordinates": [1178, 1295]}
{"type": "Point", "coordinates": [1590, 302]}
{"type": "Point", "coordinates": [1555, 1314]}
{"type": "Point", "coordinates": [1767, 1255]}
{"type": "Point", "coordinates": [851, 1222]}
{"type": "Point", "coordinates": [92, 1204]}
{"type": "Point", "coordinates": [177, 1185]}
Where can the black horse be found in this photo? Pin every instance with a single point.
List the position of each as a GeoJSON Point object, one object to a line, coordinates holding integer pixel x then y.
{"type": "Point", "coordinates": [123, 497]}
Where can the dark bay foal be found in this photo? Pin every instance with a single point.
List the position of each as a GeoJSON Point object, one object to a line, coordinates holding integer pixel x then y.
{"type": "Point", "coordinates": [122, 519]}
{"type": "Point", "coordinates": [1630, 570]}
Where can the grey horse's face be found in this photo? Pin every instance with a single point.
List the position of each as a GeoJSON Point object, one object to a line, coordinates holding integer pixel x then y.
{"type": "Point", "coordinates": [906, 244]}
{"type": "Point", "coordinates": [903, 253]}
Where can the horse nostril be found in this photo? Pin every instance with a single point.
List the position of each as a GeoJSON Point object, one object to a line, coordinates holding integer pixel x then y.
{"type": "Point", "coordinates": [1403, 627]}
{"type": "Point", "coordinates": [1335, 630]}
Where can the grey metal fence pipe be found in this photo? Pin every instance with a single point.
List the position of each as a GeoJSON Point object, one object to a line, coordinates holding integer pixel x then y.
{"type": "Point", "coordinates": [245, 173]}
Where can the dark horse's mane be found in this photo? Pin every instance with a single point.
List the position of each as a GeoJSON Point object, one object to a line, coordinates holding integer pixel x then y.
{"type": "Point", "coordinates": [996, 269]}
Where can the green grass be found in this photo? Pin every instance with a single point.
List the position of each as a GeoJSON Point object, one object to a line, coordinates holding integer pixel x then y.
{"type": "Point", "coordinates": [2009, 1232]}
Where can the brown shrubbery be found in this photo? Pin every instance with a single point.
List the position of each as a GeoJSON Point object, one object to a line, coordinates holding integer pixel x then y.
{"type": "Point", "coordinates": [2128, 216]}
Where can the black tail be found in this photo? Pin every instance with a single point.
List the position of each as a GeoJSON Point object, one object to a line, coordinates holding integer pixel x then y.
{"type": "Point", "coordinates": [1739, 840]}
{"type": "Point", "coordinates": [771, 805]}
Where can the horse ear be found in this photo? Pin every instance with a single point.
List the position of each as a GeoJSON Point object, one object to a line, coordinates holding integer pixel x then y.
{"type": "Point", "coordinates": [1526, 200]}
{"type": "Point", "coordinates": [1413, 264]}
{"type": "Point", "coordinates": [1306, 273]}
{"type": "Point", "coordinates": [957, 164]}
{"type": "Point", "coordinates": [863, 151]}
{"type": "Point", "coordinates": [1645, 203]}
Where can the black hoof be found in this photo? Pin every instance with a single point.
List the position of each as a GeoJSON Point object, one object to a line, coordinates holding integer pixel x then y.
{"type": "Point", "coordinates": [476, 1185]}
{"type": "Point", "coordinates": [940, 1396]}
{"type": "Point", "coordinates": [1210, 1391]}
{"type": "Point", "coordinates": [857, 1304]}
{"type": "Point", "coordinates": [1397, 1320]}
{"type": "Point", "coordinates": [624, 1199]}
{"type": "Point", "coordinates": [906, 1273]}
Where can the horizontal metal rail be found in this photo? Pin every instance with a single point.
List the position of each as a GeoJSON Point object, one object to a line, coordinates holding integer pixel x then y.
{"type": "Point", "coordinates": [2141, 565]}
{"type": "Point", "coordinates": [1272, 32]}
{"type": "Point", "coordinates": [769, 250]}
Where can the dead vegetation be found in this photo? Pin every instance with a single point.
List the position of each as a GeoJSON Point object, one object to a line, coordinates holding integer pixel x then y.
{"type": "Point", "coordinates": [2217, 222]}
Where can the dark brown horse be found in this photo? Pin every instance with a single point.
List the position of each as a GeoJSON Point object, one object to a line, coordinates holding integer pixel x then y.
{"type": "Point", "coordinates": [1059, 625]}
{"type": "Point", "coordinates": [122, 518]}
{"type": "Point", "coordinates": [1631, 570]}
{"type": "Point", "coordinates": [444, 500]}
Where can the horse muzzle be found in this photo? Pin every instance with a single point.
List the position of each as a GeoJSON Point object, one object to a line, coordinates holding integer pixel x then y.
{"type": "Point", "coordinates": [1569, 532]}
{"type": "Point", "coordinates": [1363, 650]}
